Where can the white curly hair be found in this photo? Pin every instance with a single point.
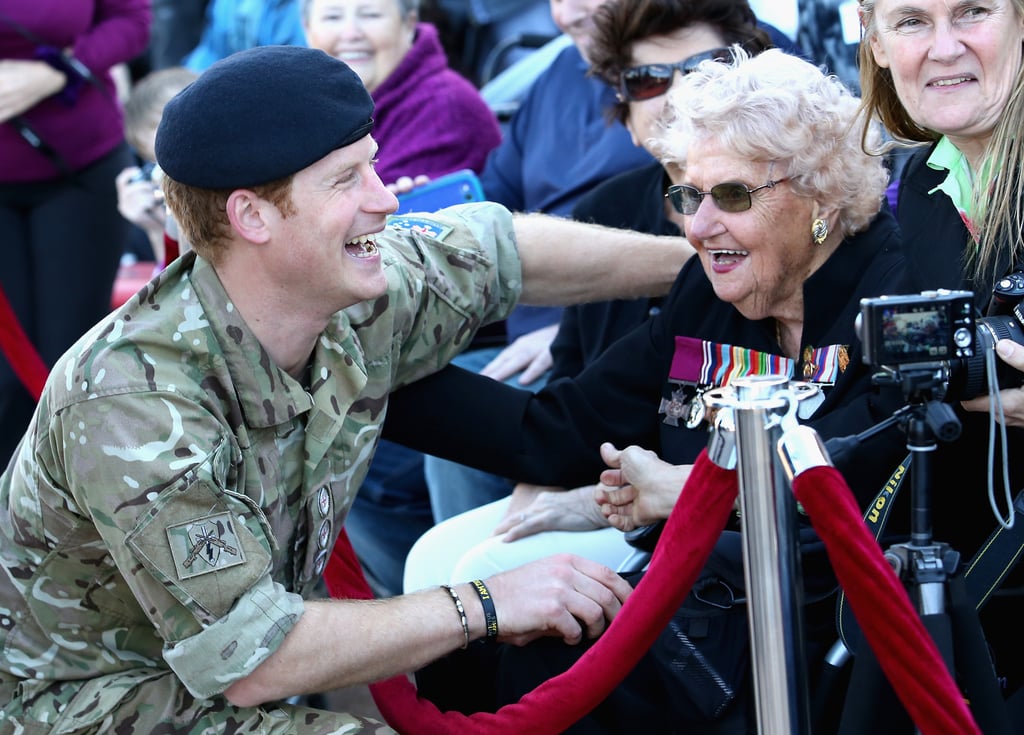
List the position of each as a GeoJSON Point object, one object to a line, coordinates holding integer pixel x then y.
{"type": "Point", "coordinates": [778, 108]}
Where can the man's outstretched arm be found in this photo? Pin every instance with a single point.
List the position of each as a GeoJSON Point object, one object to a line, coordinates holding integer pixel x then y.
{"type": "Point", "coordinates": [568, 262]}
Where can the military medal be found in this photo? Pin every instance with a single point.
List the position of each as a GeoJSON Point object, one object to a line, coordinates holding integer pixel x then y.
{"type": "Point", "coordinates": [675, 408]}
{"type": "Point", "coordinates": [696, 409]}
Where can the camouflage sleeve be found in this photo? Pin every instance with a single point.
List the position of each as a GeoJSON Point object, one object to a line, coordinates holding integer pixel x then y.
{"type": "Point", "coordinates": [450, 273]}
{"type": "Point", "coordinates": [193, 554]}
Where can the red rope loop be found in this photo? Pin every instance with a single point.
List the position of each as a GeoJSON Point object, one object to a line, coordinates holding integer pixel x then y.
{"type": "Point", "coordinates": [892, 627]}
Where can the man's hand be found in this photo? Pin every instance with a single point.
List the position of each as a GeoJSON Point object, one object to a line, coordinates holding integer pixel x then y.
{"type": "Point", "coordinates": [24, 84]}
{"type": "Point", "coordinates": [1013, 398]}
{"type": "Point", "coordinates": [530, 354]}
{"type": "Point", "coordinates": [563, 595]}
{"type": "Point", "coordinates": [640, 488]}
{"type": "Point", "coordinates": [551, 509]}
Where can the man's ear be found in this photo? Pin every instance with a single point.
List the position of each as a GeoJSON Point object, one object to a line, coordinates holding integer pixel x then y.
{"type": "Point", "coordinates": [246, 214]}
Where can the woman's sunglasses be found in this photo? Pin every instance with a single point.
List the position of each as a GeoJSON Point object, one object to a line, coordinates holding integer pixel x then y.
{"type": "Point", "coordinates": [651, 80]}
{"type": "Point", "coordinates": [729, 197]}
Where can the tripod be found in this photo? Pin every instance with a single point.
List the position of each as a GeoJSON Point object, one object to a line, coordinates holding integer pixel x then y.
{"type": "Point", "coordinates": [930, 570]}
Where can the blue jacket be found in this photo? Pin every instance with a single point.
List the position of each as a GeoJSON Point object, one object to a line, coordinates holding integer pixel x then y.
{"type": "Point", "coordinates": [559, 145]}
{"type": "Point", "coordinates": [236, 25]}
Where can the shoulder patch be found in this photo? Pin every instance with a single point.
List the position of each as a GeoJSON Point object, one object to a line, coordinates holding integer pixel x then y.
{"type": "Point", "coordinates": [430, 228]}
{"type": "Point", "coordinates": [204, 545]}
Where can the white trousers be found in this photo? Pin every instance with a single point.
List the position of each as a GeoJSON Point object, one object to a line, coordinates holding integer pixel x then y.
{"type": "Point", "coordinates": [464, 548]}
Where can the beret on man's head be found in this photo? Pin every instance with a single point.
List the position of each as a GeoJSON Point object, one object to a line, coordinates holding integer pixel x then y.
{"type": "Point", "coordinates": [260, 115]}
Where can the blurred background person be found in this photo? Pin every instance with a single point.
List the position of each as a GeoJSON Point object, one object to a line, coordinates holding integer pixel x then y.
{"type": "Point", "coordinates": [236, 25]}
{"type": "Point", "coordinates": [177, 28]}
{"type": "Point", "coordinates": [428, 119]}
{"type": "Point", "coordinates": [61, 148]}
{"type": "Point", "coordinates": [139, 196]}
{"type": "Point", "coordinates": [560, 144]}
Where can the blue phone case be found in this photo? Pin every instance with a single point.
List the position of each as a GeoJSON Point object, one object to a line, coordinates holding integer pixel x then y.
{"type": "Point", "coordinates": [459, 187]}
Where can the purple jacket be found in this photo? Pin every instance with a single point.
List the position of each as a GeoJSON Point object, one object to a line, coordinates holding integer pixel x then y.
{"type": "Point", "coordinates": [101, 33]}
{"type": "Point", "coordinates": [429, 119]}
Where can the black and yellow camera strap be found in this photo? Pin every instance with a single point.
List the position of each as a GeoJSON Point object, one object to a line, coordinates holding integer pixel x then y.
{"type": "Point", "coordinates": [982, 575]}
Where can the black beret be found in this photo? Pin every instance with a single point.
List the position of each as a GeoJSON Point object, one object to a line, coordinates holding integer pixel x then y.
{"type": "Point", "coordinates": [260, 115]}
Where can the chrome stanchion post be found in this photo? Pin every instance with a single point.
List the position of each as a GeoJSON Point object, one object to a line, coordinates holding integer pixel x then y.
{"type": "Point", "coordinates": [761, 408]}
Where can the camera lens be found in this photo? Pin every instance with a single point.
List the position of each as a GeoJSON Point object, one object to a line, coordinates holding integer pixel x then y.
{"type": "Point", "coordinates": [969, 377]}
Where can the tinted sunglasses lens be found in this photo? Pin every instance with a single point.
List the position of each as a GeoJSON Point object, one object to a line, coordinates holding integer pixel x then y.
{"type": "Point", "coordinates": [689, 65]}
{"type": "Point", "coordinates": [685, 199]}
{"type": "Point", "coordinates": [731, 197]}
{"type": "Point", "coordinates": [643, 82]}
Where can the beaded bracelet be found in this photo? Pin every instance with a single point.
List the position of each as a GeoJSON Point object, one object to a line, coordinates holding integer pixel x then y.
{"type": "Point", "coordinates": [490, 614]}
{"type": "Point", "coordinates": [461, 610]}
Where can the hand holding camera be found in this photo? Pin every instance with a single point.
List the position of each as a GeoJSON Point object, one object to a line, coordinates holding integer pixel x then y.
{"type": "Point", "coordinates": [140, 200]}
{"type": "Point", "coordinates": [937, 330]}
{"type": "Point", "coordinates": [1012, 354]}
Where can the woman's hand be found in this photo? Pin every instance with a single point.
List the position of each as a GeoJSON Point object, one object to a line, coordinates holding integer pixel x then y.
{"type": "Point", "coordinates": [1013, 398]}
{"type": "Point", "coordinates": [640, 488]}
{"type": "Point", "coordinates": [530, 354]}
{"type": "Point", "coordinates": [550, 509]}
{"type": "Point", "coordinates": [24, 84]}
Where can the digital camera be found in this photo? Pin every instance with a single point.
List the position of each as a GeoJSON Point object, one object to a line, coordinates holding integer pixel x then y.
{"type": "Point", "coordinates": [147, 172]}
{"type": "Point", "coordinates": [938, 330]}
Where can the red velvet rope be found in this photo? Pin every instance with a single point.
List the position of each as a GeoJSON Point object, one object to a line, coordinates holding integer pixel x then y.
{"type": "Point", "coordinates": [905, 651]}
{"type": "Point", "coordinates": [19, 351]}
{"type": "Point", "coordinates": [686, 542]}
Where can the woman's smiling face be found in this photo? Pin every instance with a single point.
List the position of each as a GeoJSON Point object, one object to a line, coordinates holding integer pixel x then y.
{"type": "Point", "coordinates": [371, 36]}
{"type": "Point", "coordinates": [953, 64]}
{"type": "Point", "coordinates": [758, 259]}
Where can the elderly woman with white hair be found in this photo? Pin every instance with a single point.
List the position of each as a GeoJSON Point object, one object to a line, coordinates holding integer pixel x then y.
{"type": "Point", "coordinates": [784, 210]}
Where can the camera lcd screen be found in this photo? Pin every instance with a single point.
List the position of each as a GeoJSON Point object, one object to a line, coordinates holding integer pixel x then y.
{"type": "Point", "coordinates": [912, 333]}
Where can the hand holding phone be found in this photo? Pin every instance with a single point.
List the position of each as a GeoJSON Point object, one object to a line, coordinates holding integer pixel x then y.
{"type": "Point", "coordinates": [459, 187]}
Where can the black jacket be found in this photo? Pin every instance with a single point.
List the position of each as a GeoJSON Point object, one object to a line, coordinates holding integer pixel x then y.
{"type": "Point", "coordinates": [552, 437]}
{"type": "Point", "coordinates": [633, 200]}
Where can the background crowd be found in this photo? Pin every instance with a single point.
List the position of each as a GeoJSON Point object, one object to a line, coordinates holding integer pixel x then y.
{"type": "Point", "coordinates": [923, 102]}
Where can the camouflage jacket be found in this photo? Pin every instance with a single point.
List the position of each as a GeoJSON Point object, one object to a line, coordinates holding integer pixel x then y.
{"type": "Point", "coordinates": [177, 494]}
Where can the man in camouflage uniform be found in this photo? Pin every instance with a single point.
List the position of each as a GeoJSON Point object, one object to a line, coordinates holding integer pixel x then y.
{"type": "Point", "coordinates": [171, 508]}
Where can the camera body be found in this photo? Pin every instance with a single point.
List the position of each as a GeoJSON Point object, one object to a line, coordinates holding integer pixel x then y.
{"type": "Point", "coordinates": [933, 326]}
{"type": "Point", "coordinates": [147, 172]}
{"type": "Point", "coordinates": [937, 331]}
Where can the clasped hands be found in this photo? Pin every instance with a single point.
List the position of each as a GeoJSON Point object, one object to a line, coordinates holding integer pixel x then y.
{"type": "Point", "coordinates": [638, 489]}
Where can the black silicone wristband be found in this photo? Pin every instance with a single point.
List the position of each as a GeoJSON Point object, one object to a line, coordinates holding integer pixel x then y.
{"type": "Point", "coordinates": [490, 614]}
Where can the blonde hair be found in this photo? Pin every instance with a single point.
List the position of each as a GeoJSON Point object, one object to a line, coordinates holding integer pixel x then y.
{"type": "Point", "coordinates": [997, 202]}
{"type": "Point", "coordinates": [776, 107]}
{"type": "Point", "coordinates": [146, 102]}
